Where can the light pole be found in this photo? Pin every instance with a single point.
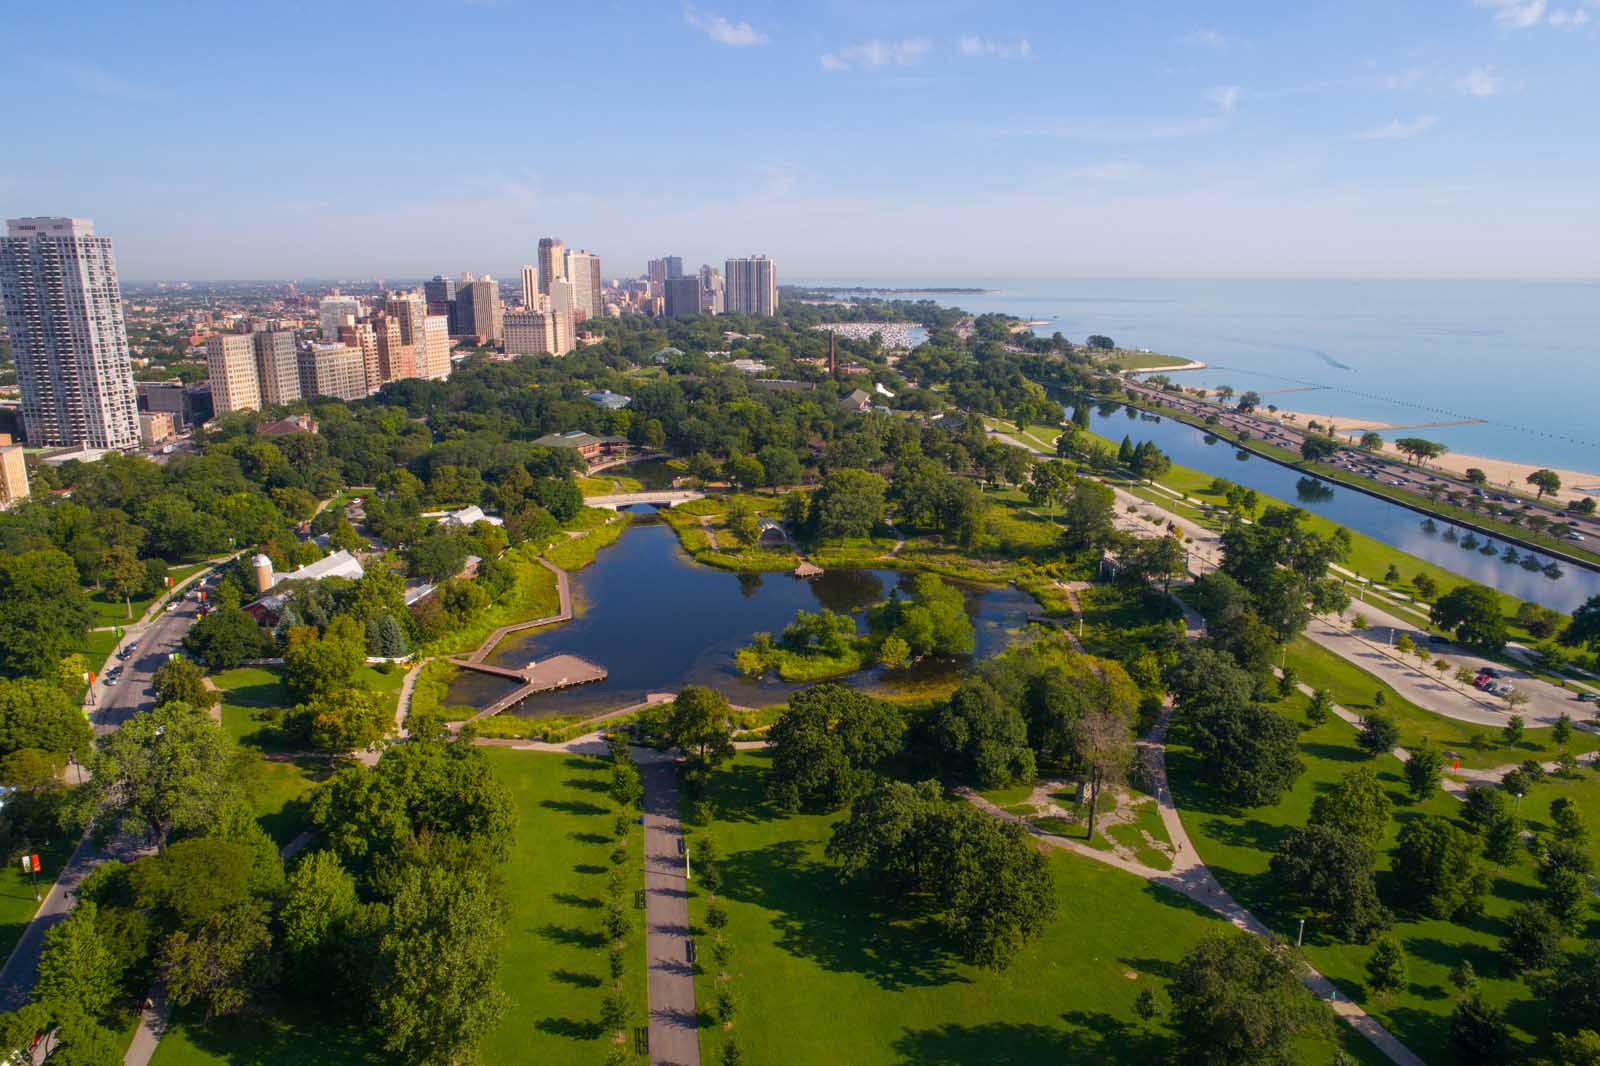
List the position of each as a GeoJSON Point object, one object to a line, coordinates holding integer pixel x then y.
{"type": "Point", "coordinates": [688, 874]}
{"type": "Point", "coordinates": [1300, 938]}
{"type": "Point", "coordinates": [1519, 802]}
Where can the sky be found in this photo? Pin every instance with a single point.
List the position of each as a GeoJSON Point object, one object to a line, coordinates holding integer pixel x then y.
{"type": "Point", "coordinates": [857, 139]}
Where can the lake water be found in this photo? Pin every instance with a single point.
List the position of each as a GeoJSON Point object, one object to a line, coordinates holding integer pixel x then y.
{"type": "Point", "coordinates": [1523, 356]}
{"type": "Point", "coordinates": [658, 621]}
{"type": "Point", "coordinates": [1391, 523]}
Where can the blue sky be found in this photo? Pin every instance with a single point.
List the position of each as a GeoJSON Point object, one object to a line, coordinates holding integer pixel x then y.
{"type": "Point", "coordinates": [914, 139]}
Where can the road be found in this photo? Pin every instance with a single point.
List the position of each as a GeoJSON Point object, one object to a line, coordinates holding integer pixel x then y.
{"type": "Point", "coordinates": [115, 704]}
{"type": "Point", "coordinates": [674, 1039]}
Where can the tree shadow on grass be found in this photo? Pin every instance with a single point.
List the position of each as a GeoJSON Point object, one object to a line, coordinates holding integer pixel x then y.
{"type": "Point", "coordinates": [573, 807]}
{"type": "Point", "coordinates": [587, 784]}
{"type": "Point", "coordinates": [281, 1034]}
{"type": "Point", "coordinates": [588, 869]}
{"type": "Point", "coordinates": [570, 1028]}
{"type": "Point", "coordinates": [1316, 749]}
{"type": "Point", "coordinates": [572, 899]}
{"type": "Point", "coordinates": [1087, 1038]}
{"type": "Point", "coordinates": [566, 934]}
{"type": "Point", "coordinates": [837, 928]}
{"type": "Point", "coordinates": [741, 794]}
{"type": "Point", "coordinates": [589, 838]}
{"type": "Point", "coordinates": [573, 977]}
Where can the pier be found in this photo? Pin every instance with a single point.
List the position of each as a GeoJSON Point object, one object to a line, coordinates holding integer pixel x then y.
{"type": "Point", "coordinates": [545, 675]}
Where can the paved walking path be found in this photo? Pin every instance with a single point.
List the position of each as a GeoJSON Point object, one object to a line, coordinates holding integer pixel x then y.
{"type": "Point", "coordinates": [1194, 879]}
{"type": "Point", "coordinates": [674, 1039]}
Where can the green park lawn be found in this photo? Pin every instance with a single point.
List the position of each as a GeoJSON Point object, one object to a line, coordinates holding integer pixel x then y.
{"type": "Point", "coordinates": [1355, 689]}
{"type": "Point", "coordinates": [1238, 844]}
{"type": "Point", "coordinates": [553, 958]}
{"type": "Point", "coordinates": [280, 1034]}
{"type": "Point", "coordinates": [825, 977]}
{"type": "Point", "coordinates": [17, 902]}
{"type": "Point", "coordinates": [533, 595]}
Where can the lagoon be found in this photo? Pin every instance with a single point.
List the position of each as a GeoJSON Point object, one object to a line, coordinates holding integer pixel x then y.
{"type": "Point", "coordinates": [657, 620]}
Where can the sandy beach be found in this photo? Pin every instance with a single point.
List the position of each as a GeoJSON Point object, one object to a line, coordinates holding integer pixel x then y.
{"type": "Point", "coordinates": [1502, 472]}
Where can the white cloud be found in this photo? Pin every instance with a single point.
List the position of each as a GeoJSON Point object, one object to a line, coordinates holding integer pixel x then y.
{"type": "Point", "coordinates": [983, 46]}
{"type": "Point", "coordinates": [1481, 81]}
{"type": "Point", "coordinates": [1398, 129]}
{"type": "Point", "coordinates": [1225, 97]}
{"type": "Point", "coordinates": [1206, 38]}
{"type": "Point", "coordinates": [1518, 14]}
{"type": "Point", "coordinates": [871, 54]}
{"type": "Point", "coordinates": [1569, 19]}
{"type": "Point", "coordinates": [724, 31]}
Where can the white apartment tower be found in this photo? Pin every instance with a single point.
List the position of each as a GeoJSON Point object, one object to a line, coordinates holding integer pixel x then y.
{"type": "Point", "coordinates": [63, 309]}
{"type": "Point", "coordinates": [530, 286]}
{"type": "Point", "coordinates": [583, 273]}
{"type": "Point", "coordinates": [336, 311]}
{"type": "Point", "coordinates": [231, 368]}
{"type": "Point", "coordinates": [552, 262]}
{"type": "Point", "coordinates": [751, 286]}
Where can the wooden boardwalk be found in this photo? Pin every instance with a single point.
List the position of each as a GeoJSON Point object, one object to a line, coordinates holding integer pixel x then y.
{"type": "Point", "coordinates": [563, 591]}
{"type": "Point", "coordinates": [546, 675]}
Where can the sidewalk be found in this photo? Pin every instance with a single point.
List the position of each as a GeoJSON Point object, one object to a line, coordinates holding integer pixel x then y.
{"type": "Point", "coordinates": [674, 1037]}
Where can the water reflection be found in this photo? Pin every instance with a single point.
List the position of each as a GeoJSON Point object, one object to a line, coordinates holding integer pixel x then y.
{"type": "Point", "coordinates": [657, 621]}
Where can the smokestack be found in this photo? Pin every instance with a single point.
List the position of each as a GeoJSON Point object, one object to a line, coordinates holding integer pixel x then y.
{"type": "Point", "coordinates": [263, 569]}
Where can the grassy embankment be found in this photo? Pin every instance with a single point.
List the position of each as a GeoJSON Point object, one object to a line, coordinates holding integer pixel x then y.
{"type": "Point", "coordinates": [1238, 844]}
{"type": "Point", "coordinates": [823, 975]}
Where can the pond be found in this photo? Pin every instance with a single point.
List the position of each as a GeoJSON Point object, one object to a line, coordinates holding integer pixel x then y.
{"type": "Point", "coordinates": [657, 621]}
{"type": "Point", "coordinates": [1398, 526]}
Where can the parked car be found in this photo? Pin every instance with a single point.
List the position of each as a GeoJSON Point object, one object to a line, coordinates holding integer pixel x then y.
{"type": "Point", "coordinates": [1488, 671]}
{"type": "Point", "coordinates": [1588, 697]}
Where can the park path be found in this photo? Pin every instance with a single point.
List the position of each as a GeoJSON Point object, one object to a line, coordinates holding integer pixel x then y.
{"type": "Point", "coordinates": [674, 1036]}
{"type": "Point", "coordinates": [1194, 879]}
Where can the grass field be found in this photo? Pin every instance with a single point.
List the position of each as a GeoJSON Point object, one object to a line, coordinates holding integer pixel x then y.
{"type": "Point", "coordinates": [553, 958]}
{"type": "Point", "coordinates": [826, 979]}
{"type": "Point", "coordinates": [284, 1034]}
{"type": "Point", "coordinates": [533, 595]}
{"type": "Point", "coordinates": [1237, 845]}
{"type": "Point", "coordinates": [17, 902]}
{"type": "Point", "coordinates": [574, 553]}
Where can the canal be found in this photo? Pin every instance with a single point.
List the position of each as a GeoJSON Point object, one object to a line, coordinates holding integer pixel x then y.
{"type": "Point", "coordinates": [657, 621]}
{"type": "Point", "coordinates": [1481, 559]}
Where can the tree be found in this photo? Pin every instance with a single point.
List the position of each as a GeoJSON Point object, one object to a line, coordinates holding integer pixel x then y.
{"type": "Point", "coordinates": [123, 574]}
{"type": "Point", "coordinates": [315, 665]}
{"type": "Point", "coordinates": [78, 972]}
{"type": "Point", "coordinates": [1103, 744]}
{"type": "Point", "coordinates": [1436, 866]}
{"type": "Point", "coordinates": [1329, 873]}
{"type": "Point", "coordinates": [699, 724]}
{"type": "Point", "coordinates": [44, 613]}
{"type": "Point", "coordinates": [1378, 735]}
{"type": "Point", "coordinates": [1472, 613]}
{"type": "Point", "coordinates": [1572, 988]}
{"type": "Point", "coordinates": [346, 719]}
{"type": "Point", "coordinates": [40, 715]}
{"type": "Point", "coordinates": [224, 639]}
{"type": "Point", "coordinates": [981, 738]}
{"type": "Point", "coordinates": [1561, 732]}
{"type": "Point", "coordinates": [436, 992]}
{"type": "Point", "coordinates": [1371, 442]}
{"type": "Point", "coordinates": [1581, 1049]}
{"type": "Point", "coordinates": [626, 790]}
{"type": "Point", "coordinates": [1237, 1001]}
{"type": "Point", "coordinates": [317, 910]}
{"type": "Point", "coordinates": [1532, 940]}
{"type": "Point", "coordinates": [1424, 771]}
{"type": "Point", "coordinates": [1512, 732]}
{"type": "Point", "coordinates": [1419, 450]}
{"type": "Point", "coordinates": [1567, 823]}
{"type": "Point", "coordinates": [1358, 806]}
{"type": "Point", "coordinates": [1546, 481]}
{"type": "Point", "coordinates": [1478, 1034]}
{"type": "Point", "coordinates": [1144, 1005]}
{"type": "Point", "coordinates": [1584, 629]}
{"type": "Point", "coordinates": [164, 770]}
{"type": "Point", "coordinates": [1315, 448]}
{"type": "Point", "coordinates": [849, 503]}
{"type": "Point", "coordinates": [181, 681]}
{"type": "Point", "coordinates": [1386, 967]}
{"type": "Point", "coordinates": [1321, 706]}
{"type": "Point", "coordinates": [222, 962]}
{"type": "Point", "coordinates": [781, 464]}
{"type": "Point", "coordinates": [826, 745]}
{"type": "Point", "coordinates": [1086, 516]}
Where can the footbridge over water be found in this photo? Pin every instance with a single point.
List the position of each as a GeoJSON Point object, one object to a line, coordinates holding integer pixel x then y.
{"type": "Point", "coordinates": [663, 498]}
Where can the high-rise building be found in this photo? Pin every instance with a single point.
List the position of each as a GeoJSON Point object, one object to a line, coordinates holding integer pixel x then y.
{"type": "Point", "coordinates": [583, 272]}
{"type": "Point", "coordinates": [683, 297]}
{"type": "Point", "coordinates": [433, 354]}
{"type": "Point", "coordinates": [364, 339]}
{"type": "Point", "coordinates": [751, 286]}
{"type": "Point", "coordinates": [277, 367]}
{"type": "Point", "coordinates": [711, 294]}
{"type": "Point", "coordinates": [397, 360]}
{"type": "Point", "coordinates": [440, 294]}
{"type": "Point", "coordinates": [530, 285]}
{"type": "Point", "coordinates": [335, 311]}
{"type": "Point", "coordinates": [552, 262]}
{"type": "Point", "coordinates": [538, 333]}
{"type": "Point", "coordinates": [335, 370]}
{"type": "Point", "coordinates": [231, 369]}
{"type": "Point", "coordinates": [63, 311]}
{"type": "Point", "coordinates": [655, 272]}
{"type": "Point", "coordinates": [478, 310]}
{"type": "Point", "coordinates": [674, 264]}
{"type": "Point", "coordinates": [13, 474]}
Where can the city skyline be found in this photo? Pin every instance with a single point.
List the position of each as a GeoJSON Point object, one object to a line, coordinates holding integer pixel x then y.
{"type": "Point", "coordinates": [1155, 142]}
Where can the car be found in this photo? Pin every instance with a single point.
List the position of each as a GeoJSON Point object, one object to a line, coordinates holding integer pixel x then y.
{"type": "Point", "coordinates": [172, 605]}
{"type": "Point", "coordinates": [1488, 671]}
{"type": "Point", "coordinates": [1588, 697]}
{"type": "Point", "coordinates": [1575, 536]}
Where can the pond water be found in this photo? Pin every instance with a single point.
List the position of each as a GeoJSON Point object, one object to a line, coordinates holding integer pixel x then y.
{"type": "Point", "coordinates": [1395, 525]}
{"type": "Point", "coordinates": [658, 621]}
